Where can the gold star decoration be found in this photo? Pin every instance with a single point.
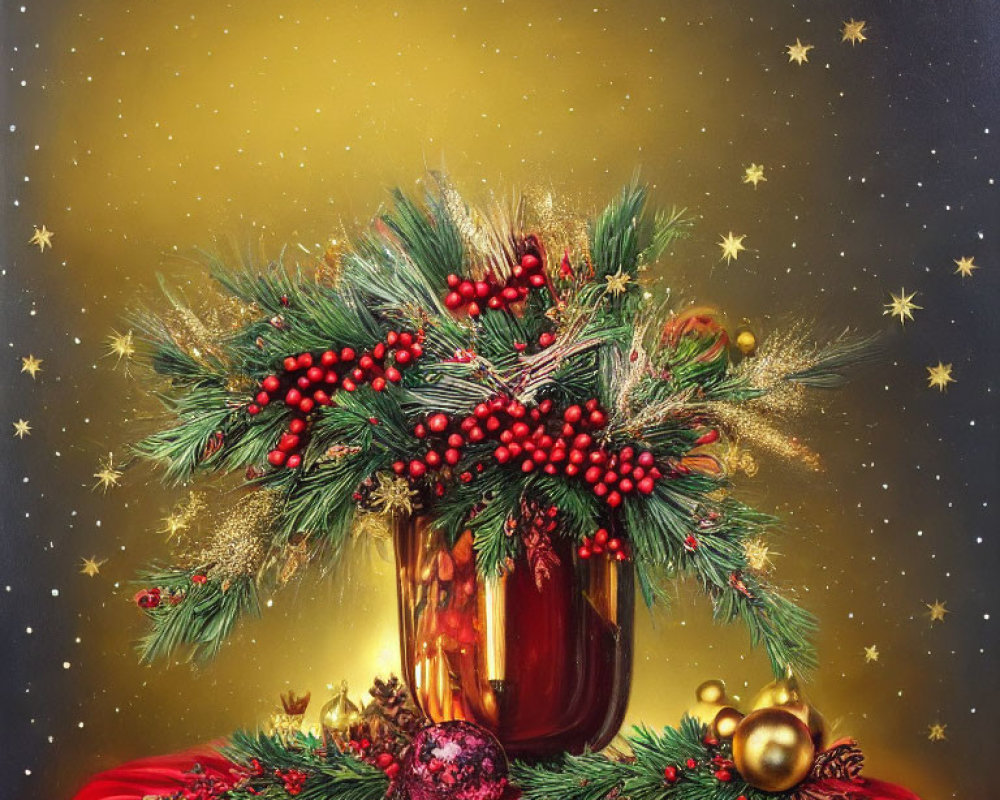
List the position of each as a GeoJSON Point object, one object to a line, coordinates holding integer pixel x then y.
{"type": "Point", "coordinates": [798, 52]}
{"type": "Point", "coordinates": [392, 494]}
{"type": "Point", "coordinates": [120, 345]}
{"type": "Point", "coordinates": [853, 31]}
{"type": "Point", "coordinates": [107, 476]}
{"type": "Point", "coordinates": [617, 283]}
{"type": "Point", "coordinates": [31, 365]}
{"type": "Point", "coordinates": [901, 306]}
{"type": "Point", "coordinates": [871, 654]}
{"type": "Point", "coordinates": [22, 428]}
{"type": "Point", "coordinates": [173, 524]}
{"type": "Point", "coordinates": [939, 377]}
{"type": "Point", "coordinates": [42, 238]}
{"type": "Point", "coordinates": [935, 732]}
{"type": "Point", "coordinates": [754, 174]}
{"type": "Point", "coordinates": [91, 566]}
{"type": "Point", "coordinates": [937, 610]}
{"type": "Point", "coordinates": [731, 246]}
{"type": "Point", "coordinates": [964, 266]}
{"type": "Point", "coordinates": [757, 555]}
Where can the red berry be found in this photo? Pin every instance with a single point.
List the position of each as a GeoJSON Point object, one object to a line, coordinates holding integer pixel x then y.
{"type": "Point", "coordinates": [453, 280]}
{"type": "Point", "coordinates": [321, 397]}
{"type": "Point", "coordinates": [626, 453]}
{"type": "Point", "coordinates": [347, 354]}
{"type": "Point", "coordinates": [598, 457]}
{"type": "Point", "coordinates": [571, 470]}
{"type": "Point", "coordinates": [495, 302]}
{"type": "Point", "coordinates": [476, 434]}
{"type": "Point", "coordinates": [546, 339]}
{"type": "Point", "coordinates": [378, 352]}
{"type": "Point", "coordinates": [331, 377]}
{"type": "Point", "coordinates": [383, 760]}
{"type": "Point", "coordinates": [452, 300]}
{"type": "Point", "coordinates": [276, 458]}
{"type": "Point", "coordinates": [597, 418]}
{"type": "Point", "coordinates": [366, 362]}
{"type": "Point", "coordinates": [530, 262]}
{"type": "Point", "coordinates": [403, 357]}
{"type": "Point", "coordinates": [516, 410]}
{"type": "Point", "coordinates": [271, 383]}
{"type": "Point", "coordinates": [297, 425]}
{"type": "Point", "coordinates": [507, 436]}
{"type": "Point", "coordinates": [601, 536]}
{"type": "Point", "coordinates": [294, 461]}
{"type": "Point", "coordinates": [670, 774]}
{"type": "Point", "coordinates": [557, 455]}
{"type": "Point", "coordinates": [455, 440]}
{"type": "Point", "coordinates": [582, 441]}
{"type": "Point", "coordinates": [520, 430]}
{"type": "Point", "coordinates": [646, 485]}
{"type": "Point", "coordinates": [465, 477]}
{"type": "Point", "coordinates": [591, 404]}
{"type": "Point", "coordinates": [328, 359]}
{"type": "Point", "coordinates": [573, 414]}
{"type": "Point", "coordinates": [467, 289]}
{"type": "Point", "coordinates": [291, 364]}
{"type": "Point", "coordinates": [509, 294]}
{"type": "Point", "coordinates": [614, 545]}
{"type": "Point", "coordinates": [348, 385]}
{"type": "Point", "coordinates": [315, 374]}
{"type": "Point", "coordinates": [288, 442]}
{"type": "Point", "coordinates": [420, 430]}
{"type": "Point", "coordinates": [646, 459]}
{"type": "Point", "coordinates": [527, 465]}
{"type": "Point", "coordinates": [724, 775]}
{"type": "Point", "coordinates": [433, 459]}
{"type": "Point", "coordinates": [583, 552]}
{"type": "Point", "coordinates": [481, 411]}
{"type": "Point", "coordinates": [600, 489]}
{"type": "Point", "coordinates": [392, 374]}
{"type": "Point", "coordinates": [294, 397]}
{"type": "Point", "coordinates": [474, 309]}
{"type": "Point", "coordinates": [253, 409]}
{"type": "Point", "coordinates": [707, 438]}
{"type": "Point", "coordinates": [304, 361]}
{"type": "Point", "coordinates": [614, 499]}
{"type": "Point", "coordinates": [539, 456]}
{"type": "Point", "coordinates": [691, 763]}
{"type": "Point", "coordinates": [452, 456]}
{"type": "Point", "coordinates": [417, 468]}
{"type": "Point", "coordinates": [262, 398]}
{"type": "Point", "coordinates": [399, 467]}
{"type": "Point", "coordinates": [306, 405]}
{"type": "Point", "coordinates": [625, 485]}
{"type": "Point", "coordinates": [378, 384]}
{"type": "Point", "coordinates": [482, 289]}
{"type": "Point", "coordinates": [502, 454]}
{"type": "Point", "coordinates": [593, 475]}
{"type": "Point", "coordinates": [437, 423]}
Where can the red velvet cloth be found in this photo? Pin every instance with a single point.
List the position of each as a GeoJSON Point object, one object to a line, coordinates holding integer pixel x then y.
{"type": "Point", "coordinates": [160, 776]}
{"type": "Point", "coordinates": [171, 776]}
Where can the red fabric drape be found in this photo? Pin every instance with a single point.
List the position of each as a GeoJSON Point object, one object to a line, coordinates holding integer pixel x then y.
{"type": "Point", "coordinates": [160, 776]}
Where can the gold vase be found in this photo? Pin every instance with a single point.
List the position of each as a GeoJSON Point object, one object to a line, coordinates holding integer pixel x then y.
{"type": "Point", "coordinates": [545, 669]}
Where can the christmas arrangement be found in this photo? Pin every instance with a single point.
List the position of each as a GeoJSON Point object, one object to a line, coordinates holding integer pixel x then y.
{"type": "Point", "coordinates": [541, 433]}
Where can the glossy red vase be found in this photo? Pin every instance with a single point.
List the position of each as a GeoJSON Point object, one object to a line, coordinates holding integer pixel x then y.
{"type": "Point", "coordinates": [547, 669]}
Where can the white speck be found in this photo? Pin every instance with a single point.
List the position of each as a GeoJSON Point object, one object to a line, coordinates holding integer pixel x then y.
{"type": "Point", "coordinates": [66, 665]}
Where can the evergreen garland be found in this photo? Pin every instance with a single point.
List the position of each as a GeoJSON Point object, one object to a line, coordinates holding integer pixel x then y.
{"type": "Point", "coordinates": [541, 330]}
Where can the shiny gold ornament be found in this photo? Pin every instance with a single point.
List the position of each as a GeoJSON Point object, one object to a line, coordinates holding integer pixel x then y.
{"type": "Point", "coordinates": [711, 697]}
{"type": "Point", "coordinates": [726, 722]}
{"type": "Point", "coordinates": [773, 750]}
{"type": "Point", "coordinates": [338, 717]}
{"type": "Point", "coordinates": [785, 693]}
{"type": "Point", "coordinates": [746, 342]}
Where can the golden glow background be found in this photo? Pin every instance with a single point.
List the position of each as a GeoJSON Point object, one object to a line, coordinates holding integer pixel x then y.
{"type": "Point", "coordinates": [140, 132]}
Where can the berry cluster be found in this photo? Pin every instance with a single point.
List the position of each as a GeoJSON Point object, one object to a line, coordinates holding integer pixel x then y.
{"type": "Point", "coordinates": [721, 767]}
{"type": "Point", "coordinates": [308, 380]}
{"type": "Point", "coordinates": [537, 439]}
{"type": "Point", "coordinates": [472, 295]}
{"type": "Point", "coordinates": [293, 780]}
{"type": "Point", "coordinates": [603, 542]}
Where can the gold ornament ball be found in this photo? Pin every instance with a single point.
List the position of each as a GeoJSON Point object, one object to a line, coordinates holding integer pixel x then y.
{"type": "Point", "coordinates": [712, 692]}
{"type": "Point", "coordinates": [772, 750]}
{"type": "Point", "coordinates": [746, 342]}
{"type": "Point", "coordinates": [785, 693]}
{"type": "Point", "coordinates": [726, 722]}
{"type": "Point", "coordinates": [339, 716]}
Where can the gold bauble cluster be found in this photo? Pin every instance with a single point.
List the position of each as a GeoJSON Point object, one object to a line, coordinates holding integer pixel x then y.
{"type": "Point", "coordinates": [775, 745]}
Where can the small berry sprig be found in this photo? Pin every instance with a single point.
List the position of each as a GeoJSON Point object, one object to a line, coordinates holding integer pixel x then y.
{"type": "Point", "coordinates": [489, 292]}
{"type": "Point", "coordinates": [602, 542]}
{"type": "Point", "coordinates": [309, 379]}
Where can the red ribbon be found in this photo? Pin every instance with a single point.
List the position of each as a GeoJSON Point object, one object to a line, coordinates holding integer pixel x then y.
{"type": "Point", "coordinates": [160, 776]}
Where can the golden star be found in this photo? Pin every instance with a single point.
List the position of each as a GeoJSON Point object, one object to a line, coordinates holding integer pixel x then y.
{"type": "Point", "coordinates": [107, 476]}
{"type": "Point", "coordinates": [853, 31]}
{"type": "Point", "coordinates": [937, 610]}
{"type": "Point", "coordinates": [935, 732]}
{"type": "Point", "coordinates": [871, 654]}
{"type": "Point", "coordinates": [392, 495]}
{"type": "Point", "coordinates": [120, 344]}
{"type": "Point", "coordinates": [798, 52]}
{"type": "Point", "coordinates": [901, 305]}
{"type": "Point", "coordinates": [939, 377]}
{"type": "Point", "coordinates": [731, 246]}
{"type": "Point", "coordinates": [173, 525]}
{"type": "Point", "coordinates": [965, 266]}
{"type": "Point", "coordinates": [22, 428]}
{"type": "Point", "coordinates": [42, 238]}
{"type": "Point", "coordinates": [754, 174]}
{"type": "Point", "coordinates": [757, 555]}
{"type": "Point", "coordinates": [617, 283]}
{"type": "Point", "coordinates": [91, 566]}
{"type": "Point", "coordinates": [31, 365]}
